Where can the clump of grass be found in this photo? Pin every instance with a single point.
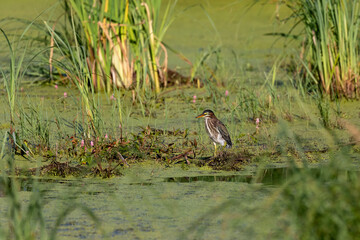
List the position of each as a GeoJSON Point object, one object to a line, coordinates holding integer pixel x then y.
{"type": "Point", "coordinates": [35, 126]}
{"type": "Point", "coordinates": [74, 65]}
{"type": "Point", "coordinates": [121, 42]}
{"type": "Point", "coordinates": [255, 104]}
{"type": "Point", "coordinates": [331, 49]}
{"type": "Point", "coordinates": [12, 80]}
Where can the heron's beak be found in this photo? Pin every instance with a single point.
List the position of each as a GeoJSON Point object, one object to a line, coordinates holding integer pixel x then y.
{"type": "Point", "coordinates": [201, 115]}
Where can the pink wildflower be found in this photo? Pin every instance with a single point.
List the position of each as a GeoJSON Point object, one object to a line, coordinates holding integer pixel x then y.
{"type": "Point", "coordinates": [106, 136]}
{"type": "Point", "coordinates": [65, 95]}
{"type": "Point", "coordinates": [257, 123]}
{"type": "Point", "coordinates": [82, 143]}
{"type": "Point", "coordinates": [112, 97]}
{"type": "Point", "coordinates": [56, 86]}
{"type": "Point", "coordinates": [194, 99]}
{"type": "Point", "coordinates": [92, 143]}
{"type": "Point", "coordinates": [226, 93]}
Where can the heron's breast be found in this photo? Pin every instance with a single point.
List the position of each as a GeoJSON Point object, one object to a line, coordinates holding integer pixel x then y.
{"type": "Point", "coordinates": [213, 132]}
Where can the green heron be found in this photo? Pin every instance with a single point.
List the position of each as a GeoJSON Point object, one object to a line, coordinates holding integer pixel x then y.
{"type": "Point", "coordinates": [216, 129]}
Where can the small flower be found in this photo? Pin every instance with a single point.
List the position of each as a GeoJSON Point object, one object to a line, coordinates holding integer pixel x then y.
{"type": "Point", "coordinates": [112, 97]}
{"type": "Point", "coordinates": [226, 93]}
{"type": "Point", "coordinates": [194, 99]}
{"type": "Point", "coordinates": [56, 86]}
{"type": "Point", "coordinates": [27, 153]}
{"type": "Point", "coordinates": [82, 143]}
{"type": "Point", "coordinates": [106, 136]}
{"type": "Point", "coordinates": [92, 143]}
{"type": "Point", "coordinates": [65, 95]}
{"type": "Point", "coordinates": [257, 123]}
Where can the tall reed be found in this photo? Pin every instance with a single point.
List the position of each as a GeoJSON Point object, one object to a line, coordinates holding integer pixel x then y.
{"type": "Point", "coordinates": [73, 64]}
{"type": "Point", "coordinates": [331, 49]}
{"type": "Point", "coordinates": [12, 79]}
{"type": "Point", "coordinates": [122, 40]}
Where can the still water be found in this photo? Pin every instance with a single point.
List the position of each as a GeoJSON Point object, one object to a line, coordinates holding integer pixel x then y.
{"type": "Point", "coordinates": [151, 205]}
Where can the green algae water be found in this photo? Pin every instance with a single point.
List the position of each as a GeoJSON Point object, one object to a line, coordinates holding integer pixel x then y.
{"type": "Point", "coordinates": [242, 29]}
{"type": "Point", "coordinates": [146, 204]}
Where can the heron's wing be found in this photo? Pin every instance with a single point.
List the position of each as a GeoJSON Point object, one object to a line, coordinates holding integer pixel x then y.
{"type": "Point", "coordinates": [224, 133]}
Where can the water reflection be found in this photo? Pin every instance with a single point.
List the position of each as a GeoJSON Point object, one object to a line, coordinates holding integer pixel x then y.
{"type": "Point", "coordinates": [269, 176]}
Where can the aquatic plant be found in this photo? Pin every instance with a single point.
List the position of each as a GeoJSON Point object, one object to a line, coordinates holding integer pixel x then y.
{"type": "Point", "coordinates": [121, 42]}
{"type": "Point", "coordinates": [253, 104]}
{"type": "Point", "coordinates": [34, 125]}
{"type": "Point", "coordinates": [74, 65]}
{"type": "Point", "coordinates": [208, 70]}
{"type": "Point", "coordinates": [12, 80]}
{"type": "Point", "coordinates": [194, 99]}
{"type": "Point", "coordinates": [330, 54]}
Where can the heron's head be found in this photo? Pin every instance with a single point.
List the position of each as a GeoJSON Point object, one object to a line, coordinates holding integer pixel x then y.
{"type": "Point", "coordinates": [206, 114]}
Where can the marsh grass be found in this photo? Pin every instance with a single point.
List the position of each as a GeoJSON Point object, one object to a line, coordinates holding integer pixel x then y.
{"type": "Point", "coordinates": [35, 125]}
{"type": "Point", "coordinates": [12, 80]}
{"type": "Point", "coordinates": [122, 42]}
{"type": "Point", "coordinates": [209, 71]}
{"type": "Point", "coordinates": [74, 65]}
{"type": "Point", "coordinates": [331, 52]}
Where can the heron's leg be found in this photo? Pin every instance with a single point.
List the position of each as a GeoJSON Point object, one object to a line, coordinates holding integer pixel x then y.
{"type": "Point", "coordinates": [215, 150]}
